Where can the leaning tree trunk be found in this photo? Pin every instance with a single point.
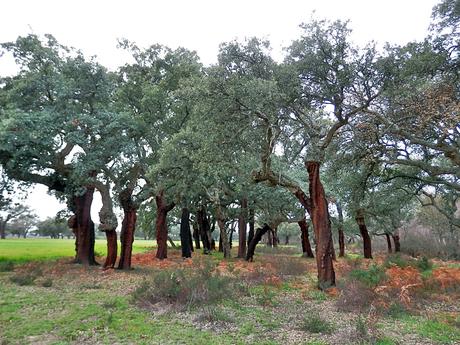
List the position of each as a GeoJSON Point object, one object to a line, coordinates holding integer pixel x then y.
{"type": "Point", "coordinates": [387, 236]}
{"type": "Point", "coordinates": [161, 225]}
{"type": "Point", "coordinates": [340, 230]}
{"type": "Point", "coordinates": [322, 227]}
{"type": "Point", "coordinates": [367, 247]}
{"type": "Point", "coordinates": [185, 238]}
{"type": "Point", "coordinates": [84, 227]}
{"type": "Point", "coordinates": [306, 247]}
{"type": "Point", "coordinates": [256, 239]}
{"type": "Point", "coordinates": [396, 242]}
{"type": "Point", "coordinates": [128, 227]}
{"type": "Point", "coordinates": [251, 225]}
{"type": "Point", "coordinates": [242, 229]}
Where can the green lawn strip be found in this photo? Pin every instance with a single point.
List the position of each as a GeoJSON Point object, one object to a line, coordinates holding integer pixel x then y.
{"type": "Point", "coordinates": [38, 249]}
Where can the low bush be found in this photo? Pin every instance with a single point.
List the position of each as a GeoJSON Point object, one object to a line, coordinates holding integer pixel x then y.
{"type": "Point", "coordinates": [184, 287]}
{"type": "Point", "coordinates": [313, 323]}
{"type": "Point", "coordinates": [370, 277]}
{"type": "Point", "coordinates": [355, 296]}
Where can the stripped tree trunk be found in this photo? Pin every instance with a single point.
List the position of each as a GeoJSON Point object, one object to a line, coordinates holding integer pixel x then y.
{"type": "Point", "coordinates": [322, 227]}
{"type": "Point", "coordinates": [108, 224]}
{"type": "Point", "coordinates": [84, 227]}
{"type": "Point", "coordinates": [128, 227]}
{"type": "Point", "coordinates": [367, 247]}
{"type": "Point", "coordinates": [242, 229]}
{"type": "Point", "coordinates": [161, 225]}
{"type": "Point", "coordinates": [306, 247]}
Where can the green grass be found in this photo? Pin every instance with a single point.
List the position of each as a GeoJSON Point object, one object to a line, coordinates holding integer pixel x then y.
{"type": "Point", "coordinates": [35, 249]}
{"type": "Point", "coordinates": [440, 332]}
{"type": "Point", "coordinates": [73, 316]}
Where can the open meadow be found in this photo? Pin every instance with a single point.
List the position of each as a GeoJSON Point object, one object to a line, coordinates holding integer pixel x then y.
{"type": "Point", "coordinates": [392, 299]}
{"type": "Point", "coordinates": [39, 249]}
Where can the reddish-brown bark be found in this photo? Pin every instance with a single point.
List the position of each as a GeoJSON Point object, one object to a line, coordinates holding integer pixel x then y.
{"type": "Point", "coordinates": [367, 246]}
{"type": "Point", "coordinates": [112, 247]}
{"type": "Point", "coordinates": [390, 250]}
{"type": "Point", "coordinates": [306, 247]}
{"type": "Point", "coordinates": [257, 237]}
{"type": "Point", "coordinates": [128, 227]}
{"type": "Point", "coordinates": [84, 227]}
{"type": "Point", "coordinates": [322, 226]}
{"type": "Point", "coordinates": [161, 225]}
{"type": "Point", "coordinates": [242, 229]}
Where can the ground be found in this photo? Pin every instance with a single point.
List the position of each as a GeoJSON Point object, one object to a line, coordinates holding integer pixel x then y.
{"type": "Point", "coordinates": [274, 300]}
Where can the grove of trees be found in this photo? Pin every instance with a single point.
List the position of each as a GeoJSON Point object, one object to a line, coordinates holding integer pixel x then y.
{"type": "Point", "coordinates": [333, 137]}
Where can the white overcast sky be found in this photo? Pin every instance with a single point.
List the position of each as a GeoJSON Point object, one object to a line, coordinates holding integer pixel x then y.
{"type": "Point", "coordinates": [201, 25]}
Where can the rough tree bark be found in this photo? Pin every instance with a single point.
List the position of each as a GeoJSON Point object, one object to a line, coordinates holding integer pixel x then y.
{"type": "Point", "coordinates": [108, 224]}
{"type": "Point", "coordinates": [204, 229]}
{"type": "Point", "coordinates": [251, 225]}
{"type": "Point", "coordinates": [128, 227]}
{"type": "Point", "coordinates": [185, 237]}
{"type": "Point", "coordinates": [223, 232]}
{"type": "Point", "coordinates": [396, 242]}
{"type": "Point", "coordinates": [367, 246]}
{"type": "Point", "coordinates": [340, 230]}
{"type": "Point", "coordinates": [196, 235]}
{"type": "Point", "coordinates": [84, 227]}
{"type": "Point", "coordinates": [161, 225]}
{"type": "Point", "coordinates": [306, 247]}
{"type": "Point", "coordinates": [387, 236]}
{"type": "Point", "coordinates": [242, 229]}
{"type": "Point", "coordinates": [256, 239]}
{"type": "Point", "coordinates": [322, 227]}
{"type": "Point", "coordinates": [3, 228]}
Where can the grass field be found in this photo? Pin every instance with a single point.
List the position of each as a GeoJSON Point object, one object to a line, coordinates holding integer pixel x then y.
{"type": "Point", "coordinates": [273, 300]}
{"type": "Point", "coordinates": [38, 249]}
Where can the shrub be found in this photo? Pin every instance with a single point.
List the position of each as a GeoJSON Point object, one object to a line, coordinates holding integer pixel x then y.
{"type": "Point", "coordinates": [315, 324]}
{"type": "Point", "coordinates": [6, 266]}
{"type": "Point", "coordinates": [424, 264]}
{"type": "Point", "coordinates": [188, 287]}
{"type": "Point", "coordinates": [355, 296]}
{"type": "Point", "coordinates": [370, 277]}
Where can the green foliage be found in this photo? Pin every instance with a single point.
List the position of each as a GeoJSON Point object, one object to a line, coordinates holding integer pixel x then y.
{"type": "Point", "coordinates": [6, 266]}
{"type": "Point", "coordinates": [371, 277]}
{"type": "Point", "coordinates": [313, 323]}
